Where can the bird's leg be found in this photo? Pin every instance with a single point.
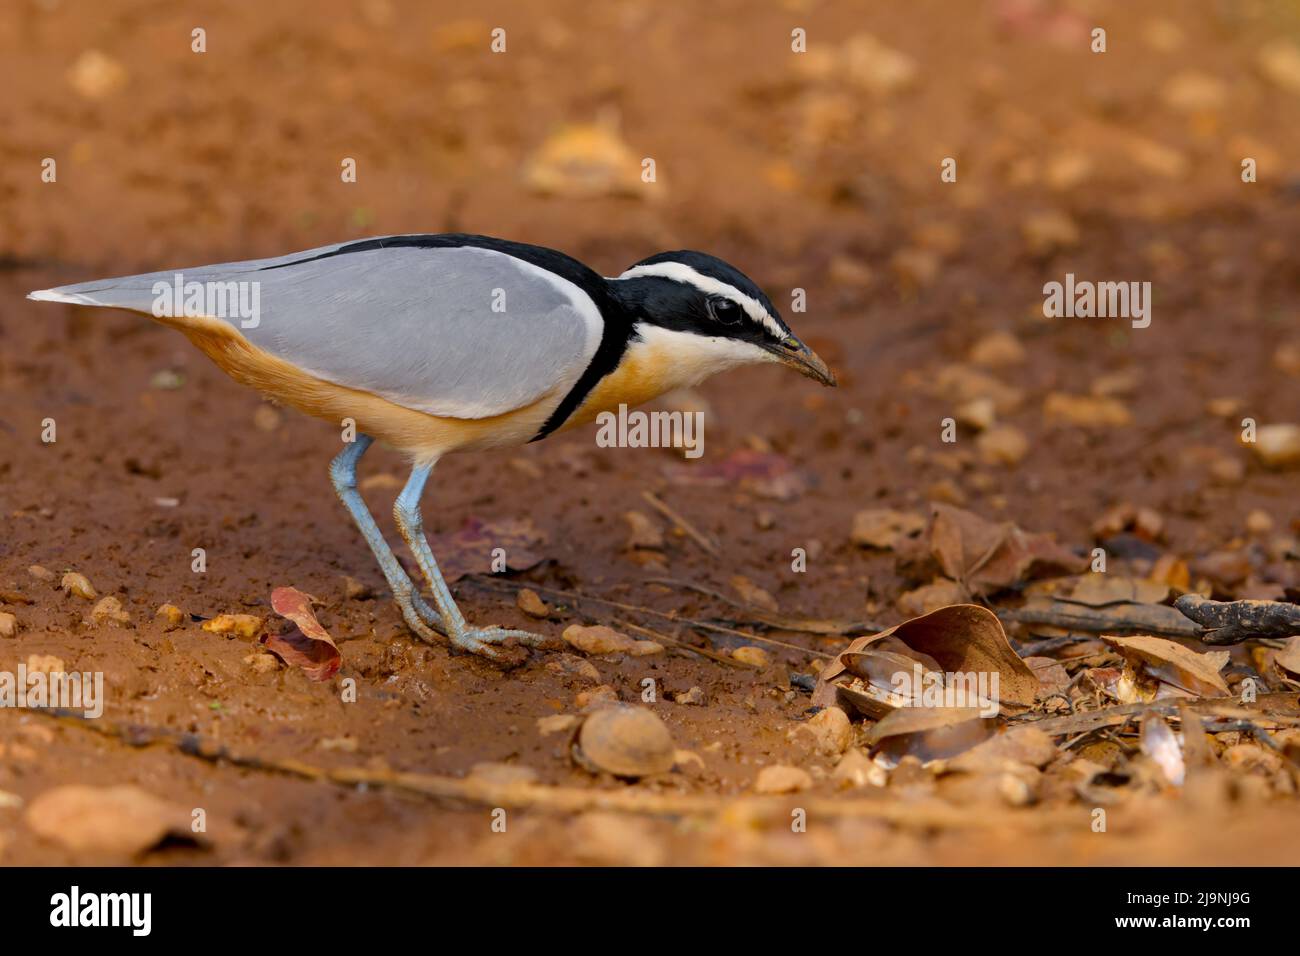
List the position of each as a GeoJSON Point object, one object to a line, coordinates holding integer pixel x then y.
{"type": "Point", "coordinates": [421, 618]}
{"type": "Point", "coordinates": [409, 522]}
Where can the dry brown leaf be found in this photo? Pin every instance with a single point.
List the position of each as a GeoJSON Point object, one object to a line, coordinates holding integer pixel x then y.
{"type": "Point", "coordinates": [1019, 745]}
{"type": "Point", "coordinates": [1096, 590]}
{"type": "Point", "coordinates": [1172, 663]}
{"type": "Point", "coordinates": [987, 556]}
{"type": "Point", "coordinates": [963, 638]}
{"type": "Point", "coordinates": [930, 597]}
{"type": "Point", "coordinates": [765, 474]}
{"type": "Point", "coordinates": [1052, 676]}
{"type": "Point", "coordinates": [884, 527]}
{"type": "Point", "coordinates": [307, 645]}
{"type": "Point", "coordinates": [929, 733]}
{"type": "Point", "coordinates": [470, 550]}
{"type": "Point", "coordinates": [1288, 658]}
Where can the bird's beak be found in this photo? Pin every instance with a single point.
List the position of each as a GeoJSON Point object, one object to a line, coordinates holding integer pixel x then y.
{"type": "Point", "coordinates": [804, 360]}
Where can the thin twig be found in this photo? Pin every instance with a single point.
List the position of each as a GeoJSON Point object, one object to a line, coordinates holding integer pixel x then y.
{"type": "Point", "coordinates": [784, 622]}
{"type": "Point", "coordinates": [1098, 623]}
{"type": "Point", "coordinates": [572, 596]}
{"type": "Point", "coordinates": [692, 532]}
{"type": "Point", "coordinates": [542, 798]}
{"type": "Point", "coordinates": [1282, 708]}
{"type": "Point", "coordinates": [711, 655]}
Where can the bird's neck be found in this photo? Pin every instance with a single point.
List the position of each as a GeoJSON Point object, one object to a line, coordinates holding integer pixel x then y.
{"type": "Point", "coordinates": [650, 299]}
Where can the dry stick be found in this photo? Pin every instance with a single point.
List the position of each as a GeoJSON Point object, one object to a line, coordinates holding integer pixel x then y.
{"type": "Point", "coordinates": [1277, 707]}
{"type": "Point", "coordinates": [711, 655]}
{"type": "Point", "coordinates": [573, 596]}
{"type": "Point", "coordinates": [577, 799]}
{"type": "Point", "coordinates": [779, 621]}
{"type": "Point", "coordinates": [1231, 622]}
{"type": "Point", "coordinates": [695, 535]}
{"type": "Point", "coordinates": [1096, 623]}
{"type": "Point", "coordinates": [673, 642]}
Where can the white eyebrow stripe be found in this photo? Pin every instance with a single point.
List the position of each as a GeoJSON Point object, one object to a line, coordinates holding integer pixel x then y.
{"type": "Point", "coordinates": [681, 272]}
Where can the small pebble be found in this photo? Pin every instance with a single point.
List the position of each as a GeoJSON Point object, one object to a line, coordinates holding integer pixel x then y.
{"type": "Point", "coordinates": [600, 696]}
{"type": "Point", "coordinates": [1015, 790]}
{"type": "Point", "coordinates": [266, 418]}
{"type": "Point", "coordinates": [8, 624]}
{"type": "Point", "coordinates": [780, 778]}
{"type": "Point", "coordinates": [532, 605]}
{"type": "Point", "coordinates": [753, 595]}
{"type": "Point", "coordinates": [856, 770]}
{"type": "Point", "coordinates": [1259, 522]}
{"type": "Point", "coordinates": [262, 663]}
{"type": "Point", "coordinates": [606, 640]}
{"type": "Point", "coordinates": [170, 616]}
{"type": "Point", "coordinates": [979, 413]}
{"type": "Point", "coordinates": [643, 532]}
{"type": "Point", "coordinates": [354, 590]}
{"type": "Point", "coordinates": [247, 626]}
{"type": "Point", "coordinates": [829, 730]}
{"type": "Point", "coordinates": [1277, 446]}
{"type": "Point", "coordinates": [625, 741]}
{"type": "Point", "coordinates": [997, 349]}
{"type": "Point", "coordinates": [571, 665]}
{"type": "Point", "coordinates": [45, 664]}
{"type": "Point", "coordinates": [78, 585]}
{"type": "Point", "coordinates": [109, 610]}
{"type": "Point", "coordinates": [40, 573]}
{"type": "Point", "coordinates": [748, 654]}
{"type": "Point", "coordinates": [556, 724]}
{"type": "Point", "coordinates": [692, 697]}
{"type": "Point", "coordinates": [1003, 445]}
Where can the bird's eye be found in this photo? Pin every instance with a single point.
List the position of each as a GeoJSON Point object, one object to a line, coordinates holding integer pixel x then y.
{"type": "Point", "coordinates": [726, 311]}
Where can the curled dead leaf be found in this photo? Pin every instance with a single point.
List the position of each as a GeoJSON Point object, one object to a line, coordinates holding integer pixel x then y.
{"type": "Point", "coordinates": [471, 550]}
{"type": "Point", "coordinates": [986, 556]}
{"type": "Point", "coordinates": [929, 733]}
{"type": "Point", "coordinates": [307, 645]}
{"type": "Point", "coordinates": [1171, 663]}
{"type": "Point", "coordinates": [963, 639]}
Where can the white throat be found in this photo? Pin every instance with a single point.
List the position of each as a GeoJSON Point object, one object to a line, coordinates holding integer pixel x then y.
{"type": "Point", "coordinates": [685, 359]}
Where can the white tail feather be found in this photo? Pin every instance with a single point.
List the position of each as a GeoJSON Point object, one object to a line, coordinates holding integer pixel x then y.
{"type": "Point", "coordinates": [54, 295]}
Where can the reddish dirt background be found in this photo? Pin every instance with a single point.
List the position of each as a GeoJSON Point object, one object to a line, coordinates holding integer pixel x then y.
{"type": "Point", "coordinates": [798, 169]}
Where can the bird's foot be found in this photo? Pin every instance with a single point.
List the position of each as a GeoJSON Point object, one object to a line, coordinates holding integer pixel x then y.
{"type": "Point", "coordinates": [423, 620]}
{"type": "Point", "coordinates": [427, 614]}
{"type": "Point", "coordinates": [500, 644]}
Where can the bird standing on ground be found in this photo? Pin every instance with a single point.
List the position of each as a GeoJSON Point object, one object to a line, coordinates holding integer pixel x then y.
{"type": "Point", "coordinates": [442, 343]}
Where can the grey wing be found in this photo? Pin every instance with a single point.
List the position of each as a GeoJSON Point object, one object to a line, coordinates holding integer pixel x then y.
{"type": "Point", "coordinates": [457, 331]}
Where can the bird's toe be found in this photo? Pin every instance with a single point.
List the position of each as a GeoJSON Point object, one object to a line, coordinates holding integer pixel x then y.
{"type": "Point", "coordinates": [426, 626]}
{"type": "Point", "coordinates": [504, 645]}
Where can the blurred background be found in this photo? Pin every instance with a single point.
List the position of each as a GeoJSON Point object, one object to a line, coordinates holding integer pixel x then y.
{"type": "Point", "coordinates": [817, 170]}
{"type": "Point", "coordinates": [826, 162]}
